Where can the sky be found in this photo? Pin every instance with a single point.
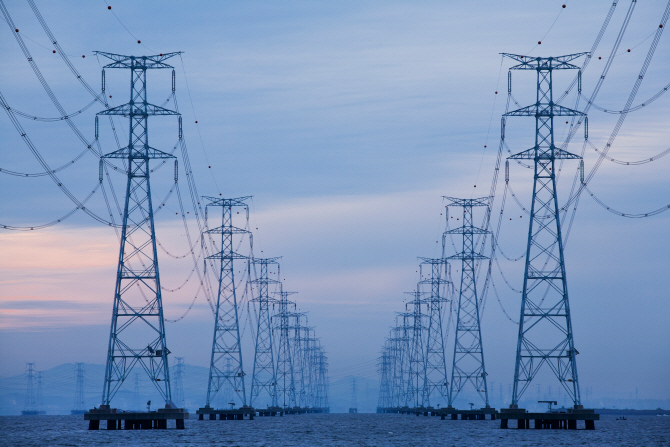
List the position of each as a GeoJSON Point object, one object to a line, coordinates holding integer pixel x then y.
{"type": "Point", "coordinates": [347, 122]}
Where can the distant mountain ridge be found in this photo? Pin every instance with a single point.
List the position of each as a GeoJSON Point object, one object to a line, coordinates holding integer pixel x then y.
{"type": "Point", "coordinates": [58, 390]}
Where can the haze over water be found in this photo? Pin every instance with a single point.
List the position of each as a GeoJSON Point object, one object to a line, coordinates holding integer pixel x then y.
{"type": "Point", "coordinates": [335, 430]}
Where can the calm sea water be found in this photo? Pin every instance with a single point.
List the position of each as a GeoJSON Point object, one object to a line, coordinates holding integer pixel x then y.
{"type": "Point", "coordinates": [333, 430]}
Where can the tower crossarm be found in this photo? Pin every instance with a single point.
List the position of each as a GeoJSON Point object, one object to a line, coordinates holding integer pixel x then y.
{"type": "Point", "coordinates": [138, 109]}
{"type": "Point", "coordinates": [467, 255]}
{"type": "Point", "coordinates": [545, 63]}
{"type": "Point", "coordinates": [264, 281]}
{"type": "Point", "coordinates": [138, 154]}
{"type": "Point", "coordinates": [544, 154]}
{"type": "Point", "coordinates": [227, 230]}
{"type": "Point", "coordinates": [138, 62]}
{"type": "Point", "coordinates": [435, 281]}
{"type": "Point", "coordinates": [217, 201]}
{"type": "Point", "coordinates": [227, 255]}
{"type": "Point", "coordinates": [432, 261]}
{"type": "Point", "coordinates": [482, 201]}
{"type": "Point", "coordinates": [467, 230]}
{"type": "Point", "coordinates": [544, 109]}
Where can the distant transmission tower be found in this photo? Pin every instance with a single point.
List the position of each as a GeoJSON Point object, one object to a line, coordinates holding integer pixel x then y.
{"type": "Point", "coordinates": [545, 327]}
{"type": "Point", "coordinates": [226, 341]}
{"type": "Point", "coordinates": [285, 378]}
{"type": "Point", "coordinates": [137, 334]}
{"type": "Point", "coordinates": [403, 375]}
{"type": "Point", "coordinates": [468, 362]}
{"type": "Point", "coordinates": [324, 384]}
{"type": "Point", "coordinates": [79, 406]}
{"type": "Point", "coordinates": [296, 343]}
{"type": "Point", "coordinates": [435, 366]}
{"type": "Point", "coordinates": [385, 398]}
{"type": "Point", "coordinates": [40, 392]}
{"type": "Point", "coordinates": [398, 366]}
{"type": "Point", "coordinates": [179, 382]}
{"type": "Point", "coordinates": [353, 408]}
{"type": "Point", "coordinates": [30, 406]}
{"type": "Point", "coordinates": [264, 376]}
{"type": "Point", "coordinates": [309, 359]}
{"type": "Point", "coordinates": [417, 360]}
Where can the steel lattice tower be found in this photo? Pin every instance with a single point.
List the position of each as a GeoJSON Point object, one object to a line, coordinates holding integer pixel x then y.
{"type": "Point", "coordinates": [322, 365]}
{"type": "Point", "coordinates": [468, 362]}
{"type": "Point", "coordinates": [179, 382]}
{"type": "Point", "coordinates": [30, 405]}
{"type": "Point", "coordinates": [400, 348]}
{"type": "Point", "coordinates": [435, 366]}
{"type": "Point", "coordinates": [264, 375]}
{"type": "Point", "coordinates": [40, 393]}
{"type": "Point", "coordinates": [285, 380]}
{"type": "Point", "coordinates": [79, 402]}
{"type": "Point", "coordinates": [137, 334]}
{"type": "Point", "coordinates": [545, 327]}
{"type": "Point", "coordinates": [354, 398]}
{"type": "Point", "coordinates": [417, 360]}
{"type": "Point", "coordinates": [226, 340]}
{"type": "Point", "coordinates": [297, 349]}
{"type": "Point", "coordinates": [308, 348]}
{"type": "Point", "coordinates": [385, 399]}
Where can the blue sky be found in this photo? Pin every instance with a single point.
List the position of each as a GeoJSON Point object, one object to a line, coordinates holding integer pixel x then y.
{"type": "Point", "coordinates": [347, 122]}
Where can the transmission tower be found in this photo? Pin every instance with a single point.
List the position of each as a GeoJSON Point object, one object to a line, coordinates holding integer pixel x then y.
{"type": "Point", "coordinates": [323, 383]}
{"type": "Point", "coordinates": [296, 342]}
{"type": "Point", "coordinates": [398, 366]}
{"type": "Point", "coordinates": [40, 393]}
{"type": "Point", "coordinates": [417, 360]}
{"type": "Point", "coordinates": [79, 406]}
{"type": "Point", "coordinates": [226, 343]}
{"type": "Point", "coordinates": [264, 376]}
{"type": "Point", "coordinates": [545, 327]}
{"type": "Point", "coordinates": [353, 408]}
{"type": "Point", "coordinates": [137, 334]}
{"type": "Point", "coordinates": [400, 339]}
{"type": "Point", "coordinates": [435, 366]}
{"type": "Point", "coordinates": [404, 330]}
{"type": "Point", "coordinates": [30, 406]}
{"type": "Point", "coordinates": [308, 355]}
{"type": "Point", "coordinates": [179, 382]}
{"type": "Point", "coordinates": [468, 362]}
{"type": "Point", "coordinates": [285, 379]}
{"type": "Point", "coordinates": [385, 398]}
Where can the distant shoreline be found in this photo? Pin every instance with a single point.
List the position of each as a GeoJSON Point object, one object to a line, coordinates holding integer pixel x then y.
{"type": "Point", "coordinates": [632, 412]}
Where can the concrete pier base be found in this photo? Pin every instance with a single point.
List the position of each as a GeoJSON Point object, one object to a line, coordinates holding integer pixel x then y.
{"type": "Point", "coordinates": [135, 420]}
{"type": "Point", "coordinates": [234, 414]}
{"type": "Point", "coordinates": [550, 421]}
{"type": "Point", "coordinates": [478, 414]}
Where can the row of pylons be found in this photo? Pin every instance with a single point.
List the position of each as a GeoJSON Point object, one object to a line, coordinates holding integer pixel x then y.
{"type": "Point", "coordinates": [413, 366]}
{"type": "Point", "coordinates": [290, 369]}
